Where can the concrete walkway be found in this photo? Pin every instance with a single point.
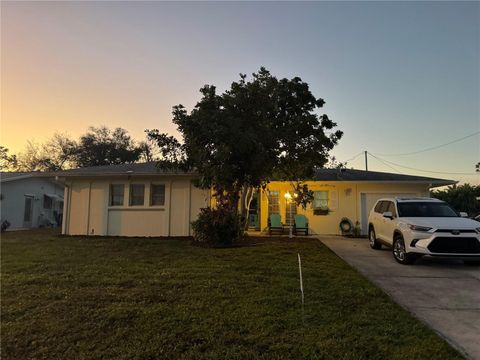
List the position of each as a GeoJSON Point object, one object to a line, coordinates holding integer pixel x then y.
{"type": "Point", "coordinates": [445, 294]}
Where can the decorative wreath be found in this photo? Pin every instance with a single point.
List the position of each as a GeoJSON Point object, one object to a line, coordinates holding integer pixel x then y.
{"type": "Point", "coordinates": [346, 226]}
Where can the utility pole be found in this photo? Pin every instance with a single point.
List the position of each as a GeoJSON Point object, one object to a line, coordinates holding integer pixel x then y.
{"type": "Point", "coordinates": [366, 161]}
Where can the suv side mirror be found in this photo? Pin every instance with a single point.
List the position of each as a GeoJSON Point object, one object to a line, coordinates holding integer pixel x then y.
{"type": "Point", "coordinates": [463, 214]}
{"type": "Point", "coordinates": [388, 215]}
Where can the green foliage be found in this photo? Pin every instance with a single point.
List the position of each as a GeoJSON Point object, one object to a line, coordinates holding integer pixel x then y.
{"type": "Point", "coordinates": [217, 227]}
{"type": "Point", "coordinates": [172, 154]}
{"type": "Point", "coordinates": [302, 195]}
{"type": "Point", "coordinates": [258, 130]}
{"type": "Point", "coordinates": [102, 146]}
{"type": "Point", "coordinates": [98, 146]}
{"type": "Point", "coordinates": [462, 198]}
{"type": "Point", "coordinates": [7, 161]}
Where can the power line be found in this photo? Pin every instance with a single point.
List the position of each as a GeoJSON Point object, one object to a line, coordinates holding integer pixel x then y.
{"type": "Point", "coordinates": [384, 163]}
{"type": "Point", "coordinates": [421, 170]}
{"type": "Point", "coordinates": [433, 147]}
{"type": "Point", "coordinates": [354, 157]}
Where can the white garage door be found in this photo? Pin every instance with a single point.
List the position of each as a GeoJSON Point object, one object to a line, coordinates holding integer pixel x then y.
{"type": "Point", "coordinates": [368, 200]}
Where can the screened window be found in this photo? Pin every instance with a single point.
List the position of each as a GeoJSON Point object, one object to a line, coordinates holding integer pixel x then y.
{"type": "Point", "coordinates": [273, 202]}
{"type": "Point", "coordinates": [157, 195]}
{"type": "Point", "coordinates": [47, 202]}
{"type": "Point", "coordinates": [137, 194]}
{"type": "Point", "coordinates": [320, 200]}
{"type": "Point", "coordinates": [116, 194]}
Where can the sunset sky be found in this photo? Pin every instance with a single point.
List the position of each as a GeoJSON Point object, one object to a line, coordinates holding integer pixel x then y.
{"type": "Point", "coordinates": [397, 77]}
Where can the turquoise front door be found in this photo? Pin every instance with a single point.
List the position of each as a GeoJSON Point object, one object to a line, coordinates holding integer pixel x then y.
{"type": "Point", "coordinates": [254, 213]}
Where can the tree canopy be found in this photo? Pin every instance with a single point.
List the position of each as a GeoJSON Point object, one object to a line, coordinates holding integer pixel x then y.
{"type": "Point", "coordinates": [461, 198]}
{"type": "Point", "coordinates": [258, 130]}
{"type": "Point", "coordinates": [98, 146]}
{"type": "Point", "coordinates": [7, 161]}
{"type": "Point", "coordinates": [102, 146]}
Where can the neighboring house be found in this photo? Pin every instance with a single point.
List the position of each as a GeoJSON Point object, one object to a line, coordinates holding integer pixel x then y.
{"type": "Point", "coordinates": [30, 200]}
{"type": "Point", "coordinates": [141, 200]}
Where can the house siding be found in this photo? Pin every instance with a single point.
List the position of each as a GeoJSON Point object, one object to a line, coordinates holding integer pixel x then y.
{"type": "Point", "coordinates": [13, 200]}
{"type": "Point", "coordinates": [344, 201]}
{"type": "Point", "coordinates": [89, 211]}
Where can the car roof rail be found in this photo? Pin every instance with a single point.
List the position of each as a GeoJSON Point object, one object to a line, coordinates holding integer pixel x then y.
{"type": "Point", "coordinates": [416, 198]}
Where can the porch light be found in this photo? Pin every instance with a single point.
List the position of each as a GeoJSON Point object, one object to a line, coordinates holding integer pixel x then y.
{"type": "Point", "coordinates": [288, 196]}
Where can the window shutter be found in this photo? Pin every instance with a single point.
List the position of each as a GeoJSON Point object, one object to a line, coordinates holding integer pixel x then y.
{"type": "Point", "coordinates": [333, 200]}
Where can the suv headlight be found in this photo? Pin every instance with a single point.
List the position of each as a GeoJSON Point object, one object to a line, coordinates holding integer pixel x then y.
{"type": "Point", "coordinates": [419, 228]}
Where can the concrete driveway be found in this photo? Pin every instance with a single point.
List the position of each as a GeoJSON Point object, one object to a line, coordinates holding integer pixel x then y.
{"type": "Point", "coordinates": [445, 294]}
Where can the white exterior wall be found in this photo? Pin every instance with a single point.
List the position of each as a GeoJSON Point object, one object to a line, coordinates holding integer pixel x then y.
{"type": "Point", "coordinates": [89, 213]}
{"type": "Point", "coordinates": [13, 200]}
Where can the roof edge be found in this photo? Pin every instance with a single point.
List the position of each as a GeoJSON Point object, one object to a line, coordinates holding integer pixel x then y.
{"type": "Point", "coordinates": [20, 177]}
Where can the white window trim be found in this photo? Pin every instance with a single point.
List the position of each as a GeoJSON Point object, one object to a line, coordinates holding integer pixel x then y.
{"type": "Point", "coordinates": [150, 195]}
{"type": "Point", "coordinates": [328, 200]}
{"type": "Point", "coordinates": [110, 194]}
{"type": "Point", "coordinates": [146, 196]}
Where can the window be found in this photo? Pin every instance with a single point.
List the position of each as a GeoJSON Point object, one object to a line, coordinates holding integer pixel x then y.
{"type": "Point", "coordinates": [425, 209]}
{"type": "Point", "coordinates": [116, 194]}
{"type": "Point", "coordinates": [137, 194]}
{"type": "Point", "coordinates": [47, 202]}
{"type": "Point", "coordinates": [391, 208]}
{"type": "Point", "coordinates": [378, 207]}
{"type": "Point", "coordinates": [382, 207]}
{"type": "Point", "coordinates": [273, 203]}
{"type": "Point", "coordinates": [290, 212]}
{"type": "Point", "coordinates": [157, 195]}
{"type": "Point", "coordinates": [320, 200]}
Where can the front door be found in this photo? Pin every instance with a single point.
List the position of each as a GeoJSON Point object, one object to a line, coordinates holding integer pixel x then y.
{"type": "Point", "coordinates": [254, 213]}
{"type": "Point", "coordinates": [28, 212]}
{"type": "Point", "coordinates": [290, 212]}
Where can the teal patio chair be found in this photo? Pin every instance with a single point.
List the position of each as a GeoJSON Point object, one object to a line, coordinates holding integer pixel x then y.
{"type": "Point", "coordinates": [301, 224]}
{"type": "Point", "coordinates": [274, 223]}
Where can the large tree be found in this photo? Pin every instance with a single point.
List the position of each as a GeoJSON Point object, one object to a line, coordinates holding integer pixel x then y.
{"type": "Point", "coordinates": [58, 153]}
{"type": "Point", "coordinates": [7, 161]}
{"type": "Point", "coordinates": [258, 130]}
{"type": "Point", "coordinates": [98, 146]}
{"type": "Point", "coordinates": [102, 146]}
{"type": "Point", "coordinates": [462, 198]}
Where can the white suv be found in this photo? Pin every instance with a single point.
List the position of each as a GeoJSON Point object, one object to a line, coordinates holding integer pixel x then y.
{"type": "Point", "coordinates": [414, 227]}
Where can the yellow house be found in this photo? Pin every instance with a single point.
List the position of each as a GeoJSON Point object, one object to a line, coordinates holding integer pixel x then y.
{"type": "Point", "coordinates": [141, 200]}
{"type": "Point", "coordinates": [341, 193]}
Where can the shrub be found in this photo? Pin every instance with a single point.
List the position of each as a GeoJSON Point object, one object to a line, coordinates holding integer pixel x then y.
{"type": "Point", "coordinates": [5, 225]}
{"type": "Point", "coordinates": [217, 227]}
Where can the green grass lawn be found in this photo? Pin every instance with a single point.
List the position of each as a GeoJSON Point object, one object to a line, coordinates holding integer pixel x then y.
{"type": "Point", "coordinates": [88, 298]}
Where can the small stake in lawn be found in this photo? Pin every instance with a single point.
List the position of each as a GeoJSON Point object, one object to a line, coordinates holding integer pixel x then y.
{"type": "Point", "coordinates": [301, 286]}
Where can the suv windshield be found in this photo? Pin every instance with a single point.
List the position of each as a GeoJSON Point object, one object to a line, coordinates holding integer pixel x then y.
{"type": "Point", "coordinates": [425, 209]}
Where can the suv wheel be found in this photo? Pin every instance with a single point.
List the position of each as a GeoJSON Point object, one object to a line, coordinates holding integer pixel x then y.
{"type": "Point", "coordinates": [399, 252]}
{"type": "Point", "coordinates": [372, 239]}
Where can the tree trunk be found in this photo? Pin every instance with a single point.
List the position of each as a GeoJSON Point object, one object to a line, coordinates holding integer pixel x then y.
{"type": "Point", "coordinates": [247, 196]}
